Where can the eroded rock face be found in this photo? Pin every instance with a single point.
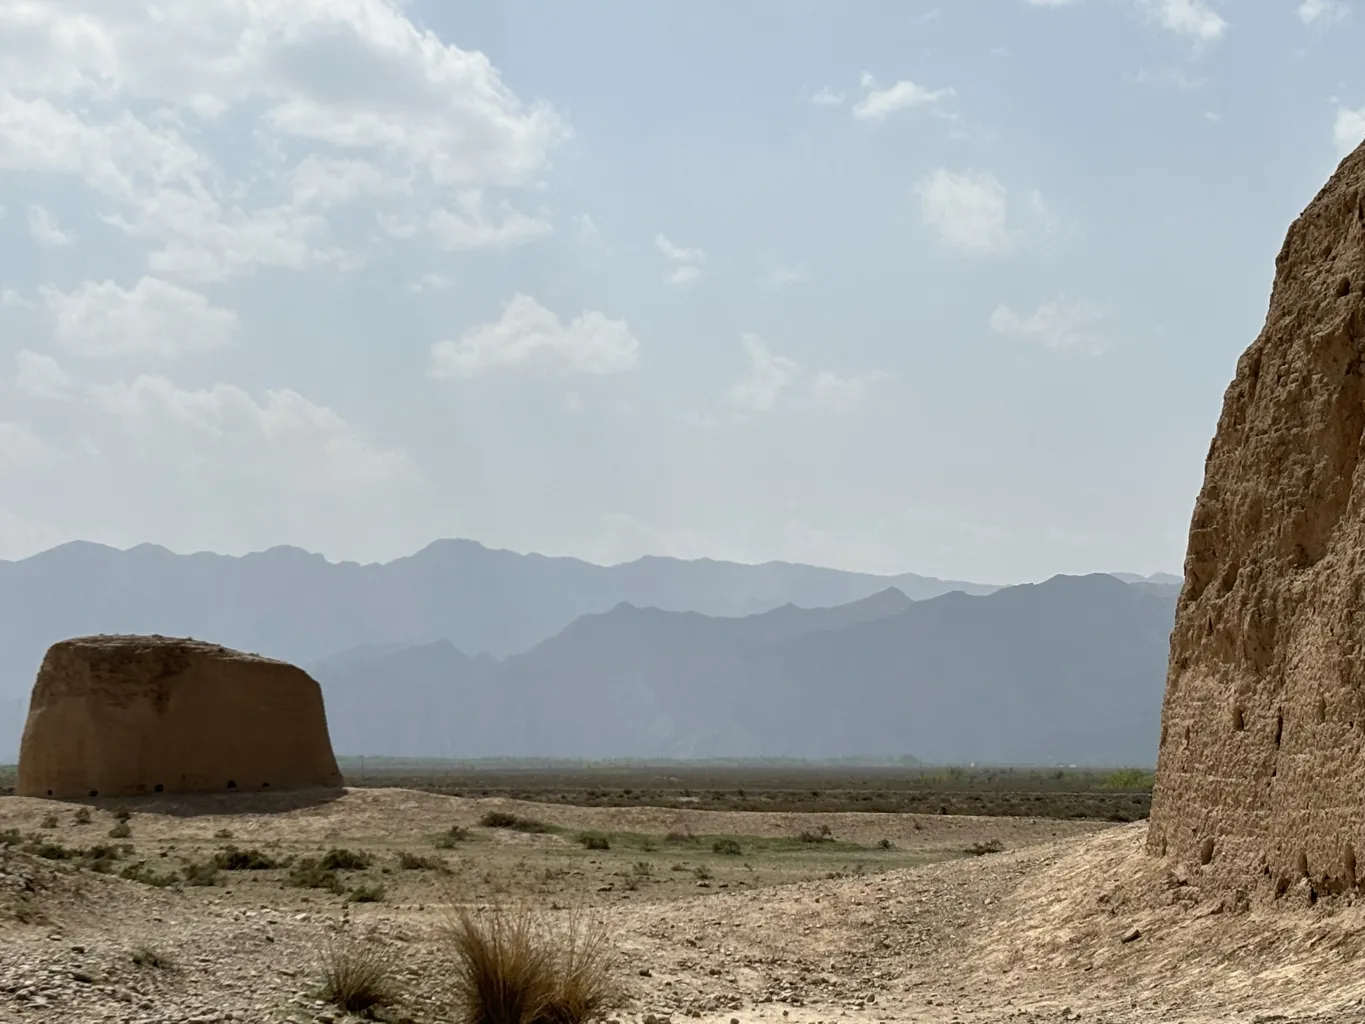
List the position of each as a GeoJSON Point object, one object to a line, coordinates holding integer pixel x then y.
{"type": "Point", "coordinates": [1261, 772]}
{"type": "Point", "coordinates": [137, 715]}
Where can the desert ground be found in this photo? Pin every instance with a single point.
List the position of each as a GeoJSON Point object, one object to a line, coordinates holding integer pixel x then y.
{"type": "Point", "coordinates": [221, 908]}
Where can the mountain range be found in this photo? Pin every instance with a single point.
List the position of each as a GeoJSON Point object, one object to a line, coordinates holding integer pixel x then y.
{"type": "Point", "coordinates": [460, 650]}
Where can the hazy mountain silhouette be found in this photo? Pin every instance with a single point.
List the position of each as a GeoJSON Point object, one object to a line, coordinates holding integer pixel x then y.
{"type": "Point", "coordinates": [290, 604]}
{"type": "Point", "coordinates": [1067, 671]}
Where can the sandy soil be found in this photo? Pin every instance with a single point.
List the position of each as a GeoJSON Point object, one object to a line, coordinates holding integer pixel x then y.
{"type": "Point", "coordinates": [801, 936]}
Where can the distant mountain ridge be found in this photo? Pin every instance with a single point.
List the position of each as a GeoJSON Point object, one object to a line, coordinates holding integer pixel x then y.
{"type": "Point", "coordinates": [482, 604]}
{"type": "Point", "coordinates": [1067, 671]}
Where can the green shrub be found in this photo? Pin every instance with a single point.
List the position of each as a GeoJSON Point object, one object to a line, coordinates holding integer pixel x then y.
{"type": "Point", "coordinates": [501, 819]}
{"type": "Point", "coordinates": [141, 873]}
{"type": "Point", "coordinates": [728, 847]}
{"type": "Point", "coordinates": [232, 858]}
{"type": "Point", "coordinates": [308, 873]}
{"type": "Point", "coordinates": [367, 894]}
{"type": "Point", "coordinates": [341, 859]}
{"type": "Point", "coordinates": [412, 862]}
{"type": "Point", "coordinates": [594, 841]}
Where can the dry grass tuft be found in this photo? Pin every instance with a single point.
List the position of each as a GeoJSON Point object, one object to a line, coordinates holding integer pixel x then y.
{"type": "Point", "coordinates": [357, 973]}
{"type": "Point", "coordinates": [514, 966]}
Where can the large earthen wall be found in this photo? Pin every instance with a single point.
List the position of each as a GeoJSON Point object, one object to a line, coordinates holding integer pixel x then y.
{"type": "Point", "coordinates": [1261, 771]}
{"type": "Point", "coordinates": [135, 715]}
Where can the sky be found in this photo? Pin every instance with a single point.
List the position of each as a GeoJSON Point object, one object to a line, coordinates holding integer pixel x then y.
{"type": "Point", "coordinates": [947, 288]}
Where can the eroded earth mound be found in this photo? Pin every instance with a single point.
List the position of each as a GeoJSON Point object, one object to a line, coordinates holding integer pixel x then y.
{"type": "Point", "coordinates": [1261, 773]}
{"type": "Point", "coordinates": [134, 715]}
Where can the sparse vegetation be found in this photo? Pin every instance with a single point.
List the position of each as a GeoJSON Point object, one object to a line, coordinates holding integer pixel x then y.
{"type": "Point", "coordinates": [357, 974]}
{"type": "Point", "coordinates": [820, 835]}
{"type": "Point", "coordinates": [121, 830]}
{"type": "Point", "coordinates": [594, 841]}
{"type": "Point", "coordinates": [341, 859]}
{"type": "Point", "coordinates": [140, 872]}
{"type": "Point", "coordinates": [414, 862]}
{"type": "Point", "coordinates": [201, 873]}
{"type": "Point", "coordinates": [980, 849]}
{"type": "Point", "coordinates": [82, 816]}
{"type": "Point", "coordinates": [452, 837]}
{"type": "Point", "coordinates": [49, 821]}
{"type": "Point", "coordinates": [122, 814]}
{"type": "Point", "coordinates": [308, 873]}
{"type": "Point", "coordinates": [727, 847]}
{"type": "Point", "coordinates": [501, 819]}
{"type": "Point", "coordinates": [368, 893]}
{"type": "Point", "coordinates": [516, 967]}
{"type": "Point", "coordinates": [149, 956]}
{"type": "Point", "coordinates": [232, 858]}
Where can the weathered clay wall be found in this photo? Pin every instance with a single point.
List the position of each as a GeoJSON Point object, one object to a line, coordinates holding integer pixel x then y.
{"type": "Point", "coordinates": [1261, 772]}
{"type": "Point", "coordinates": [133, 715]}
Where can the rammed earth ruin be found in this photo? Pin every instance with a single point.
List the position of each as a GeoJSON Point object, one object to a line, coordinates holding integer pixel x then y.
{"type": "Point", "coordinates": [1261, 772]}
{"type": "Point", "coordinates": [139, 715]}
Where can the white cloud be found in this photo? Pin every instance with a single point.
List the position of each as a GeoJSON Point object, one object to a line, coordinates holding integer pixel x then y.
{"type": "Point", "coordinates": [21, 448]}
{"type": "Point", "coordinates": [1048, 3]}
{"type": "Point", "coordinates": [153, 318]}
{"type": "Point", "coordinates": [877, 104]}
{"type": "Point", "coordinates": [1325, 11]}
{"type": "Point", "coordinates": [686, 262]}
{"type": "Point", "coordinates": [1059, 324]}
{"type": "Point", "coordinates": [40, 375]}
{"type": "Point", "coordinates": [968, 211]}
{"type": "Point", "coordinates": [1348, 129]}
{"type": "Point", "coordinates": [45, 229]}
{"type": "Point", "coordinates": [844, 394]}
{"type": "Point", "coordinates": [285, 440]}
{"type": "Point", "coordinates": [1170, 77]}
{"type": "Point", "coordinates": [1192, 18]}
{"type": "Point", "coordinates": [529, 336]}
{"type": "Point", "coordinates": [573, 402]}
{"type": "Point", "coordinates": [9, 297]}
{"type": "Point", "coordinates": [765, 378]}
{"type": "Point", "coordinates": [429, 282]}
{"type": "Point", "coordinates": [826, 97]}
{"type": "Point", "coordinates": [470, 225]}
{"type": "Point", "coordinates": [127, 98]}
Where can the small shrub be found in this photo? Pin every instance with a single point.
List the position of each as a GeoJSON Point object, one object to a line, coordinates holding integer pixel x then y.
{"type": "Point", "coordinates": [201, 873]}
{"type": "Point", "coordinates": [10, 837]}
{"type": "Point", "coordinates": [451, 837]}
{"type": "Point", "coordinates": [678, 838]}
{"type": "Point", "coordinates": [501, 819]}
{"type": "Point", "coordinates": [308, 873]}
{"type": "Point", "coordinates": [49, 821]}
{"type": "Point", "coordinates": [338, 858]}
{"type": "Point", "coordinates": [141, 873]}
{"type": "Point", "coordinates": [367, 894]}
{"type": "Point", "coordinates": [82, 816]}
{"type": "Point", "coordinates": [593, 841]}
{"type": "Point", "coordinates": [884, 844]}
{"type": "Point", "coordinates": [701, 873]}
{"type": "Point", "coordinates": [412, 862]}
{"type": "Point", "coordinates": [513, 967]}
{"type": "Point", "coordinates": [122, 814]}
{"type": "Point", "coordinates": [223, 833]}
{"type": "Point", "coordinates": [980, 849]}
{"type": "Point", "coordinates": [727, 847]}
{"type": "Point", "coordinates": [147, 956]}
{"type": "Point", "coordinates": [820, 835]}
{"type": "Point", "coordinates": [643, 868]}
{"type": "Point", "coordinates": [232, 858]}
{"type": "Point", "coordinates": [50, 851]}
{"type": "Point", "coordinates": [357, 975]}
{"type": "Point", "coordinates": [120, 831]}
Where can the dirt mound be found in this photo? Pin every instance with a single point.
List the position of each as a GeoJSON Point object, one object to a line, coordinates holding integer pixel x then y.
{"type": "Point", "coordinates": [133, 715]}
{"type": "Point", "coordinates": [1261, 773]}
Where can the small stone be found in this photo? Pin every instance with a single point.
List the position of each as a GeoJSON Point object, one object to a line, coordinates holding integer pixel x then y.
{"type": "Point", "coordinates": [1131, 935]}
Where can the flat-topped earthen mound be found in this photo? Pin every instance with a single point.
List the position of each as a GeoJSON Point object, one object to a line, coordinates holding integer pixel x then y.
{"type": "Point", "coordinates": [135, 715]}
{"type": "Point", "coordinates": [1261, 772]}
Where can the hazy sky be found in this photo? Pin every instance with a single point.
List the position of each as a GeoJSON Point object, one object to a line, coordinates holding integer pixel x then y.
{"type": "Point", "coordinates": [951, 288]}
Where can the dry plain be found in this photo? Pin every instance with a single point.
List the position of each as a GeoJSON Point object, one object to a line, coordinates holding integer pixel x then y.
{"type": "Point", "coordinates": [715, 915]}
